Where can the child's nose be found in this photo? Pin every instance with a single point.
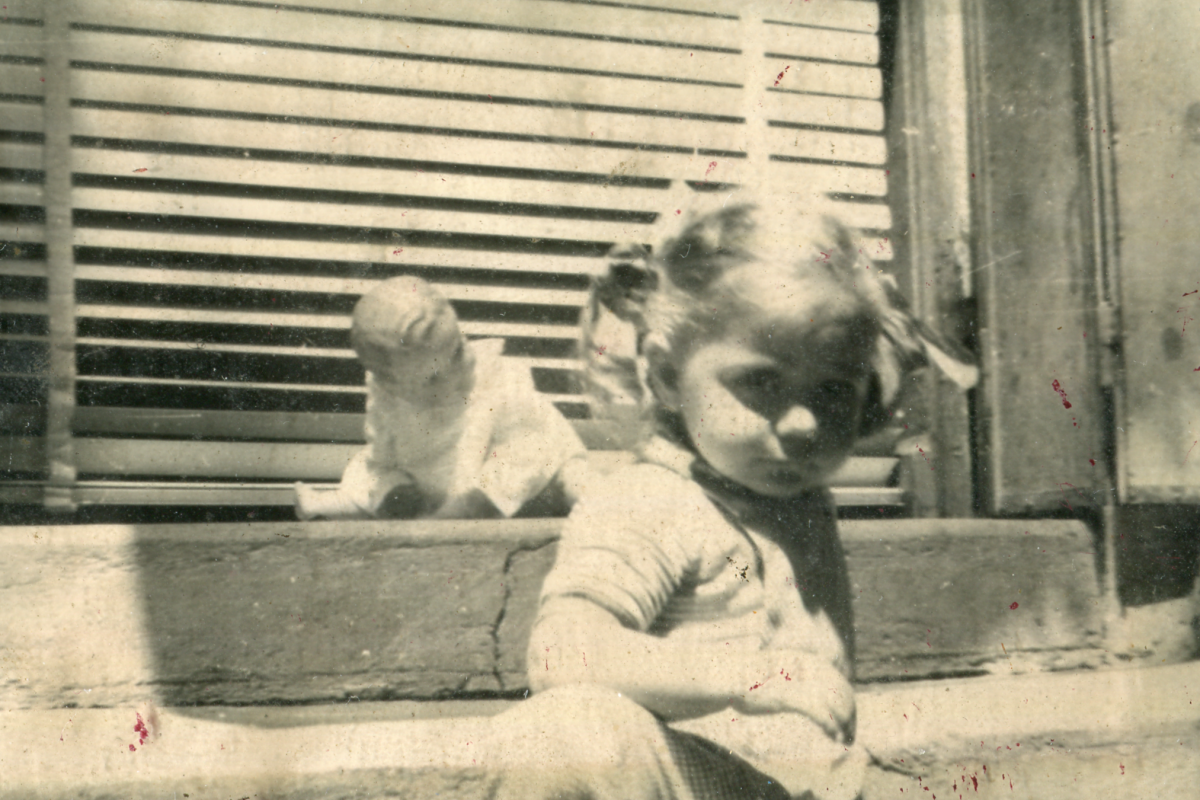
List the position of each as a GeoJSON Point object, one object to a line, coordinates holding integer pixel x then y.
{"type": "Point", "coordinates": [797, 424]}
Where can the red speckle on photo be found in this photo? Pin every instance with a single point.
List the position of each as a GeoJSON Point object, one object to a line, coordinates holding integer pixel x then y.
{"type": "Point", "coordinates": [1013, 607]}
{"type": "Point", "coordinates": [1061, 393]}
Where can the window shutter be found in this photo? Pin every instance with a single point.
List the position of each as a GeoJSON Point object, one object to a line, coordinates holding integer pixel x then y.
{"type": "Point", "coordinates": [243, 171]}
{"type": "Point", "coordinates": [24, 311]}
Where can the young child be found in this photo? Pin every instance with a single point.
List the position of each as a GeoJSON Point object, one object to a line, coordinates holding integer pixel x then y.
{"type": "Point", "coordinates": [453, 430]}
{"type": "Point", "coordinates": [694, 638]}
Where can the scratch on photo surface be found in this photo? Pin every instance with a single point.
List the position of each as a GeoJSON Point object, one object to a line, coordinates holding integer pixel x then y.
{"type": "Point", "coordinates": [996, 261]}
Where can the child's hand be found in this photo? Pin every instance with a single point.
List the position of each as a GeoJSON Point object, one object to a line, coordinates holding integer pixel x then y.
{"type": "Point", "coordinates": [803, 683]}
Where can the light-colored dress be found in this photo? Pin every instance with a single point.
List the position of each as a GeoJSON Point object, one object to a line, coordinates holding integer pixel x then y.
{"type": "Point", "coordinates": [505, 440]}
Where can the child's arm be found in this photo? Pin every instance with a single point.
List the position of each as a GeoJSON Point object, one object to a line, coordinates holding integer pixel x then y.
{"type": "Point", "coordinates": [577, 641]}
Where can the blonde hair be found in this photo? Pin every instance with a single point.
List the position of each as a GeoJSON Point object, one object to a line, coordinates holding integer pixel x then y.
{"type": "Point", "coordinates": [701, 284]}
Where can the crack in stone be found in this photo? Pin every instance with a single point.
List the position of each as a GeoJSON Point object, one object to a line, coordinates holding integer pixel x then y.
{"type": "Point", "coordinates": [506, 583]}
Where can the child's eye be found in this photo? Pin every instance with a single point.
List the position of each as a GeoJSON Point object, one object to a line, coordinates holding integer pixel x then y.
{"type": "Point", "coordinates": [835, 403]}
{"type": "Point", "coordinates": [835, 393]}
{"type": "Point", "coordinates": [760, 390]}
{"type": "Point", "coordinates": [764, 381]}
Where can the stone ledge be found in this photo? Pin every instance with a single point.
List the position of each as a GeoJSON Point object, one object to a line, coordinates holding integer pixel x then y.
{"type": "Point", "coordinates": [1087, 735]}
{"type": "Point", "coordinates": [235, 614]}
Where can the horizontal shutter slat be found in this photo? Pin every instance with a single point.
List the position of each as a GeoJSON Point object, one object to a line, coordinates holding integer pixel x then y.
{"type": "Point", "coordinates": [321, 285]}
{"type": "Point", "coordinates": [23, 307]}
{"type": "Point", "coordinates": [433, 44]}
{"type": "Point", "coordinates": [23, 79]}
{"type": "Point", "coordinates": [23, 9]}
{"type": "Point", "coordinates": [315, 358]}
{"type": "Point", "coordinates": [580, 161]}
{"type": "Point", "coordinates": [452, 117]}
{"type": "Point", "coordinates": [826, 145]}
{"type": "Point", "coordinates": [349, 254]}
{"type": "Point", "coordinates": [158, 52]}
{"type": "Point", "coordinates": [21, 193]}
{"type": "Point", "coordinates": [182, 393]}
{"type": "Point", "coordinates": [23, 267]}
{"type": "Point", "coordinates": [405, 222]}
{"type": "Point", "coordinates": [319, 462]}
{"type": "Point", "coordinates": [24, 117]}
{"type": "Point", "coordinates": [21, 156]}
{"type": "Point", "coordinates": [572, 199]}
{"type": "Point", "coordinates": [717, 8]}
{"type": "Point", "coordinates": [816, 179]}
{"type": "Point", "coordinates": [848, 14]}
{"type": "Point", "coordinates": [19, 232]}
{"type": "Point", "coordinates": [819, 110]}
{"type": "Point", "coordinates": [249, 459]}
{"type": "Point", "coordinates": [629, 22]}
{"type": "Point", "coordinates": [794, 73]}
{"type": "Point", "coordinates": [317, 322]}
{"type": "Point", "coordinates": [825, 44]}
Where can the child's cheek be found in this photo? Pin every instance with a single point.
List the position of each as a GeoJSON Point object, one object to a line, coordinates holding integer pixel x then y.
{"type": "Point", "coordinates": [725, 422]}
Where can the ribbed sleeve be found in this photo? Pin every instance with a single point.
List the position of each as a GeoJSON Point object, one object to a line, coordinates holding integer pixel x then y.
{"type": "Point", "coordinates": [630, 543]}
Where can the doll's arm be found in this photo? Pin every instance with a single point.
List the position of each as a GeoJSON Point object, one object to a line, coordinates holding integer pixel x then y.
{"type": "Point", "coordinates": [365, 485]}
{"type": "Point", "coordinates": [314, 503]}
{"type": "Point", "coordinates": [577, 641]}
{"type": "Point", "coordinates": [348, 501]}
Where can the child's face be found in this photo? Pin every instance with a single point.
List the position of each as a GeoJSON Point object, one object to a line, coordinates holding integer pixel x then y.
{"type": "Point", "coordinates": [775, 403]}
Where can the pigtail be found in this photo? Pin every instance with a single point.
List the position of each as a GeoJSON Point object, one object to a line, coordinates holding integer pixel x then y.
{"type": "Point", "coordinates": [905, 344]}
{"type": "Point", "coordinates": [702, 252]}
{"type": "Point", "coordinates": [612, 328]}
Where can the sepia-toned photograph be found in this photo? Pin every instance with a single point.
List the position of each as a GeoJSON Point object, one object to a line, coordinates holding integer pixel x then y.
{"type": "Point", "coordinates": [599, 399]}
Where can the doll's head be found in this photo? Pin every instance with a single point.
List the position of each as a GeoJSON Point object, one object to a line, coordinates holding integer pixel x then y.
{"type": "Point", "coordinates": [406, 334]}
{"type": "Point", "coordinates": [762, 345]}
